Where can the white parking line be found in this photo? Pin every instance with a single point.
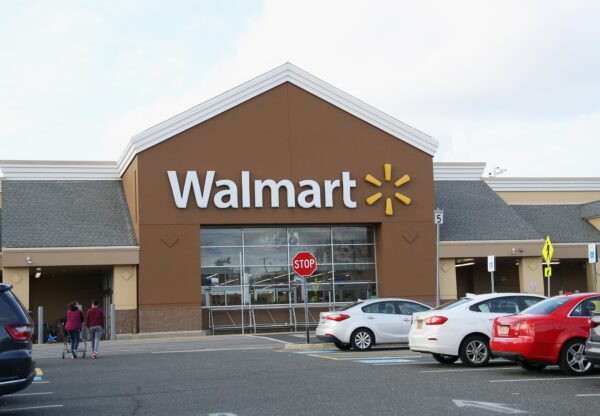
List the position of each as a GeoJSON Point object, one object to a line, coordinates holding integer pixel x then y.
{"type": "Point", "coordinates": [271, 339]}
{"type": "Point", "coordinates": [468, 369]}
{"type": "Point", "coordinates": [41, 382]}
{"type": "Point", "coordinates": [28, 394]}
{"type": "Point", "coordinates": [543, 379]}
{"type": "Point", "coordinates": [31, 408]}
{"type": "Point", "coordinates": [588, 395]}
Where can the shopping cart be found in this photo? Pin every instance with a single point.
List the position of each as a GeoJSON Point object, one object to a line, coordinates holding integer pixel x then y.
{"type": "Point", "coordinates": [83, 338]}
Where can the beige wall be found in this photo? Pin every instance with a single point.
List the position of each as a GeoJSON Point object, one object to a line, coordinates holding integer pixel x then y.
{"type": "Point", "coordinates": [19, 278]}
{"type": "Point", "coordinates": [448, 279]}
{"type": "Point", "coordinates": [590, 277]}
{"type": "Point", "coordinates": [547, 198]}
{"type": "Point", "coordinates": [531, 275]}
{"type": "Point", "coordinates": [75, 256]}
{"type": "Point", "coordinates": [125, 287]}
{"type": "Point", "coordinates": [595, 222]}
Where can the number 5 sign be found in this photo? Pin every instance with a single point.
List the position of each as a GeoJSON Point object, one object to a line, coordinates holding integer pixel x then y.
{"type": "Point", "coordinates": [438, 216]}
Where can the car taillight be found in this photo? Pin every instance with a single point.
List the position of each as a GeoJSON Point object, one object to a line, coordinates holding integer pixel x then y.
{"type": "Point", "coordinates": [338, 317]}
{"type": "Point", "coordinates": [593, 324]}
{"type": "Point", "coordinates": [524, 329]}
{"type": "Point", "coordinates": [435, 320]}
{"type": "Point", "coordinates": [20, 332]}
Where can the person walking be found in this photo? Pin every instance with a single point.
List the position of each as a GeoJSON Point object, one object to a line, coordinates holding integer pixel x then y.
{"type": "Point", "coordinates": [95, 322]}
{"type": "Point", "coordinates": [74, 322]}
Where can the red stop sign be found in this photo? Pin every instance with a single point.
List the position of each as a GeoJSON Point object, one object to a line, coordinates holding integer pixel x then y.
{"type": "Point", "coordinates": [304, 263]}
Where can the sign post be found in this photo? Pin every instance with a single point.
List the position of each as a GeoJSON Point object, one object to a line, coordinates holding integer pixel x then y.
{"type": "Point", "coordinates": [547, 252]}
{"type": "Point", "coordinates": [492, 268]}
{"type": "Point", "coordinates": [593, 258]}
{"type": "Point", "coordinates": [438, 218]}
{"type": "Point", "coordinates": [305, 264]}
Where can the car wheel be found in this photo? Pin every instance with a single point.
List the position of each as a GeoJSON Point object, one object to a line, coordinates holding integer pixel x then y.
{"type": "Point", "coordinates": [445, 359]}
{"type": "Point", "coordinates": [529, 366]}
{"type": "Point", "coordinates": [475, 351]}
{"type": "Point", "coordinates": [572, 361]}
{"type": "Point", "coordinates": [362, 339]}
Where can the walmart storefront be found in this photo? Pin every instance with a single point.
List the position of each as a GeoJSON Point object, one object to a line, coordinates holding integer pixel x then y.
{"type": "Point", "coordinates": [195, 226]}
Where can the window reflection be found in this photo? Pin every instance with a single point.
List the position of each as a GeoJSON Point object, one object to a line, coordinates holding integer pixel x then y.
{"type": "Point", "coordinates": [346, 265]}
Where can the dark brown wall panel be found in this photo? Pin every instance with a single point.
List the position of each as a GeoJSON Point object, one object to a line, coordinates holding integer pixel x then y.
{"type": "Point", "coordinates": [285, 133]}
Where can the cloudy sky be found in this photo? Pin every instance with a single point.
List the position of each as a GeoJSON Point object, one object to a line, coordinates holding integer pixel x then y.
{"type": "Point", "coordinates": [515, 84]}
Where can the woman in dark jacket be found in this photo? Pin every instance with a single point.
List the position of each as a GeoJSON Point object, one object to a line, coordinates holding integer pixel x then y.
{"type": "Point", "coordinates": [73, 325]}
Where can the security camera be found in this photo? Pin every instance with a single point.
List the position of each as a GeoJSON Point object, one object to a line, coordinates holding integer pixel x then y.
{"type": "Point", "coordinates": [28, 260]}
{"type": "Point", "coordinates": [513, 251]}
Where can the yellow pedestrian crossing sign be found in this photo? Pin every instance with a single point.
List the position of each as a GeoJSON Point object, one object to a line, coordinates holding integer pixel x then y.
{"type": "Point", "coordinates": [547, 251]}
{"type": "Point", "coordinates": [548, 272]}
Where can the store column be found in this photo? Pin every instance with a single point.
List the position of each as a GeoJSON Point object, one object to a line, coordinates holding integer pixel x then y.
{"type": "Point", "coordinates": [590, 276]}
{"type": "Point", "coordinates": [125, 298]}
{"type": "Point", "coordinates": [531, 276]}
{"type": "Point", "coordinates": [18, 277]}
{"type": "Point", "coordinates": [448, 290]}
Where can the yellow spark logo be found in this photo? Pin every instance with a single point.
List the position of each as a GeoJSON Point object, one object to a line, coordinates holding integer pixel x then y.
{"type": "Point", "coordinates": [387, 173]}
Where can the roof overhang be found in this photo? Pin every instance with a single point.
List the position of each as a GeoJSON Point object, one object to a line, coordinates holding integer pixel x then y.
{"type": "Point", "coordinates": [458, 171]}
{"type": "Point", "coordinates": [543, 184]}
{"type": "Point", "coordinates": [516, 249]}
{"type": "Point", "coordinates": [70, 256]}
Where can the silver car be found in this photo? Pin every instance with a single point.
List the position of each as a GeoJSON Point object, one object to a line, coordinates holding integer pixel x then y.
{"type": "Point", "coordinates": [366, 323]}
{"type": "Point", "coordinates": [592, 348]}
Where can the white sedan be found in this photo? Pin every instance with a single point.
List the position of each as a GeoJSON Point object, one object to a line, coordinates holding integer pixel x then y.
{"type": "Point", "coordinates": [463, 328]}
{"type": "Point", "coordinates": [366, 323]}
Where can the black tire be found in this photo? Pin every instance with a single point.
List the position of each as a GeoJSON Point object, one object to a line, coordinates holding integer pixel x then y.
{"type": "Point", "coordinates": [342, 345]}
{"type": "Point", "coordinates": [445, 359]}
{"type": "Point", "coordinates": [474, 351]}
{"type": "Point", "coordinates": [362, 339]}
{"type": "Point", "coordinates": [529, 366]}
{"type": "Point", "coordinates": [572, 360]}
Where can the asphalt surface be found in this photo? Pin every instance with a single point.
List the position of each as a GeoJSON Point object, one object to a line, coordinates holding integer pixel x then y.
{"type": "Point", "coordinates": [248, 376]}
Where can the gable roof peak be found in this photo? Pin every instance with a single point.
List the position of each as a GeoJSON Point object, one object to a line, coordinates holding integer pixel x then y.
{"type": "Point", "coordinates": [286, 72]}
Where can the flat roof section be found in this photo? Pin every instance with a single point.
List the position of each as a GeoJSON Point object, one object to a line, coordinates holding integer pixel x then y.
{"type": "Point", "coordinates": [65, 214]}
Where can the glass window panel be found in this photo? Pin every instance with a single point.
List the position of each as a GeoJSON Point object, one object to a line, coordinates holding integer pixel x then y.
{"type": "Point", "coordinates": [267, 276]}
{"type": "Point", "coordinates": [220, 236]}
{"type": "Point", "coordinates": [355, 273]}
{"type": "Point", "coordinates": [322, 253]}
{"type": "Point", "coordinates": [350, 292]}
{"type": "Point", "coordinates": [220, 276]}
{"type": "Point", "coordinates": [353, 254]}
{"type": "Point", "coordinates": [270, 236]}
{"type": "Point", "coordinates": [322, 274]}
{"type": "Point", "coordinates": [353, 235]}
{"type": "Point", "coordinates": [220, 256]}
{"type": "Point", "coordinates": [265, 256]}
{"type": "Point", "coordinates": [309, 236]}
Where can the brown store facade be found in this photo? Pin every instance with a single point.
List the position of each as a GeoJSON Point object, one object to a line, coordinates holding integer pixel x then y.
{"type": "Point", "coordinates": [282, 171]}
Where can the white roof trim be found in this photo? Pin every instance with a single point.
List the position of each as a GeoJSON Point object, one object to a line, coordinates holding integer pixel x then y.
{"type": "Point", "coordinates": [59, 170]}
{"type": "Point", "coordinates": [284, 73]}
{"type": "Point", "coordinates": [451, 171]}
{"type": "Point", "coordinates": [543, 184]}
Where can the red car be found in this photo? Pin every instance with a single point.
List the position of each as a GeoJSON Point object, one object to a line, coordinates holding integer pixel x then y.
{"type": "Point", "coordinates": [553, 331]}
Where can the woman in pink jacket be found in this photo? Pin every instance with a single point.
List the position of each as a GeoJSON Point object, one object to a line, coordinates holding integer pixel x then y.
{"type": "Point", "coordinates": [73, 325]}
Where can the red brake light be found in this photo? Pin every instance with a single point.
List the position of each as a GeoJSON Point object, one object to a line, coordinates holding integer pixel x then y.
{"type": "Point", "coordinates": [20, 332]}
{"type": "Point", "coordinates": [593, 324]}
{"type": "Point", "coordinates": [338, 317]}
{"type": "Point", "coordinates": [435, 320]}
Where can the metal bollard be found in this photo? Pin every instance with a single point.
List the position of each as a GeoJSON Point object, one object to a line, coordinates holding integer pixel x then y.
{"type": "Point", "coordinates": [40, 331]}
{"type": "Point", "coordinates": [113, 322]}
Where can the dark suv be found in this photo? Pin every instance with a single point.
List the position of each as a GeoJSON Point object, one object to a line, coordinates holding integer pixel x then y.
{"type": "Point", "coordinates": [17, 369]}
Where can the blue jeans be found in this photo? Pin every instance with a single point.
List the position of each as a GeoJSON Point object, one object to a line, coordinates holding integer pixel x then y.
{"type": "Point", "coordinates": [74, 335]}
{"type": "Point", "coordinates": [95, 335]}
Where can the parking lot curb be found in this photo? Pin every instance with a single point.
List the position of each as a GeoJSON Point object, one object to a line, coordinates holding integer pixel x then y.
{"type": "Point", "coordinates": [315, 346]}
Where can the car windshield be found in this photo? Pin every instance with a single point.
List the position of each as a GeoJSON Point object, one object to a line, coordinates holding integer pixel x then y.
{"type": "Point", "coordinates": [546, 306]}
{"type": "Point", "coordinates": [452, 304]}
{"type": "Point", "coordinates": [346, 307]}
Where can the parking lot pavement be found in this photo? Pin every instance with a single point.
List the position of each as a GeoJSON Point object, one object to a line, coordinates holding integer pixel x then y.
{"type": "Point", "coordinates": [165, 345]}
{"type": "Point", "coordinates": [257, 376]}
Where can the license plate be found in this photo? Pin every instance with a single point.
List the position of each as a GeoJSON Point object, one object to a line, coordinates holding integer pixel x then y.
{"type": "Point", "coordinates": [503, 330]}
{"type": "Point", "coordinates": [419, 324]}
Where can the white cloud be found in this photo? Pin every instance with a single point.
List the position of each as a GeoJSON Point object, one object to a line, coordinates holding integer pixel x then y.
{"type": "Point", "coordinates": [508, 82]}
